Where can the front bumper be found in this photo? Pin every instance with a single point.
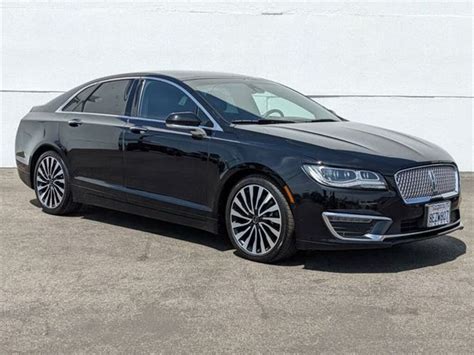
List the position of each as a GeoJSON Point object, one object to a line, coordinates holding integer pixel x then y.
{"type": "Point", "coordinates": [391, 220]}
{"type": "Point", "coordinates": [381, 241]}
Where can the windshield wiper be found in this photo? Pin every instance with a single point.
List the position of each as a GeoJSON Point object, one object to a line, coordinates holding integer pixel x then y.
{"type": "Point", "coordinates": [261, 121]}
{"type": "Point", "coordinates": [323, 120]}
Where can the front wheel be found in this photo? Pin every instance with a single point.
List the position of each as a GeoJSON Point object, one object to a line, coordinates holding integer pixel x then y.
{"type": "Point", "coordinates": [259, 220]}
{"type": "Point", "coordinates": [52, 184]}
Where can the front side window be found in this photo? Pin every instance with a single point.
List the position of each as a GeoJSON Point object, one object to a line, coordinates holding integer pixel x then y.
{"type": "Point", "coordinates": [160, 99]}
{"type": "Point", "coordinates": [111, 98]}
{"type": "Point", "coordinates": [259, 100]}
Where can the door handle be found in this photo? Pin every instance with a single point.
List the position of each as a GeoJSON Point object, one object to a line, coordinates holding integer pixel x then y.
{"type": "Point", "coordinates": [75, 122]}
{"type": "Point", "coordinates": [138, 130]}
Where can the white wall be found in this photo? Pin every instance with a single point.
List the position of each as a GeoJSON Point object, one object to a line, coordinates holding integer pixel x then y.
{"type": "Point", "coordinates": [364, 55]}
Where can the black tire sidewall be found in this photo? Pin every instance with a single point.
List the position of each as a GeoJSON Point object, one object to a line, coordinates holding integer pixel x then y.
{"type": "Point", "coordinates": [286, 232]}
{"type": "Point", "coordinates": [67, 186]}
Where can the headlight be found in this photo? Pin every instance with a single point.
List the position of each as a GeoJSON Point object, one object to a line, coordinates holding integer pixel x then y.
{"type": "Point", "coordinates": [349, 178]}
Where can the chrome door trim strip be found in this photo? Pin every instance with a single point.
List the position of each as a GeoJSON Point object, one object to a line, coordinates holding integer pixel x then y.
{"type": "Point", "coordinates": [163, 130]}
{"type": "Point", "coordinates": [147, 119]}
{"type": "Point", "coordinates": [93, 114]}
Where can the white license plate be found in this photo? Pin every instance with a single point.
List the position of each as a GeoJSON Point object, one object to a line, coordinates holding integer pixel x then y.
{"type": "Point", "coordinates": [438, 214]}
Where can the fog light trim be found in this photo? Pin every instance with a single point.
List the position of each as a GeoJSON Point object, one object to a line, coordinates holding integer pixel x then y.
{"type": "Point", "coordinates": [376, 233]}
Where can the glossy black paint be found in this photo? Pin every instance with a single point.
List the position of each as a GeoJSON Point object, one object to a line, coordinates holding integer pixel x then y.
{"type": "Point", "coordinates": [150, 168]}
{"type": "Point", "coordinates": [188, 119]}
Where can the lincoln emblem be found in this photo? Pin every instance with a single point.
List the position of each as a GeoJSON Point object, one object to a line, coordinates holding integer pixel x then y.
{"type": "Point", "coordinates": [434, 187]}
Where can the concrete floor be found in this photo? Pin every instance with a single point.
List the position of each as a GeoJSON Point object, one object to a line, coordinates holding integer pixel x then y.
{"type": "Point", "coordinates": [102, 281]}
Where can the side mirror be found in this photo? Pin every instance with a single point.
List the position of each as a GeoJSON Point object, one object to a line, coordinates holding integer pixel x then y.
{"type": "Point", "coordinates": [183, 119]}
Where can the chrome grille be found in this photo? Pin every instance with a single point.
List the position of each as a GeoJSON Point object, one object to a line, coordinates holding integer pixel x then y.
{"type": "Point", "coordinates": [417, 185]}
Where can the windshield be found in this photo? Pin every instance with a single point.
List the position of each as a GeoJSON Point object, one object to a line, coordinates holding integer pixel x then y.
{"type": "Point", "coordinates": [248, 100]}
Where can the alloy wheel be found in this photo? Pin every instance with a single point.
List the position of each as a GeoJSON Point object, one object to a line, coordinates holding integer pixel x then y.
{"type": "Point", "coordinates": [256, 220]}
{"type": "Point", "coordinates": [50, 182]}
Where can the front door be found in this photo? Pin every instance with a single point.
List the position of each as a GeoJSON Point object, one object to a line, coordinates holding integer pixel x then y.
{"type": "Point", "coordinates": [165, 168]}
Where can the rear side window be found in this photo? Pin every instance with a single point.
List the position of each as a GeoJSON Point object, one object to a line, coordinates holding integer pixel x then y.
{"type": "Point", "coordinates": [160, 99]}
{"type": "Point", "coordinates": [108, 98]}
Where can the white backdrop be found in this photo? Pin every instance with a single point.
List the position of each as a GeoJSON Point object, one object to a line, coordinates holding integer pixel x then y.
{"type": "Point", "coordinates": [401, 65]}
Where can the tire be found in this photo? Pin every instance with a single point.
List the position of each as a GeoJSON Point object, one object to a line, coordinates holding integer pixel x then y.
{"type": "Point", "coordinates": [52, 185]}
{"type": "Point", "coordinates": [260, 228]}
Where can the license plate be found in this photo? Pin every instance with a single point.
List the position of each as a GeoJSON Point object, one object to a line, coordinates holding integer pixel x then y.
{"type": "Point", "coordinates": [438, 214]}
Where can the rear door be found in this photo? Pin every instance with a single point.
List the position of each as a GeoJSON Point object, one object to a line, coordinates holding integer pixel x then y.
{"type": "Point", "coordinates": [92, 134]}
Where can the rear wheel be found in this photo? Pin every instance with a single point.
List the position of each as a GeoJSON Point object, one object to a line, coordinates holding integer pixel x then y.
{"type": "Point", "coordinates": [259, 220]}
{"type": "Point", "coordinates": [52, 184]}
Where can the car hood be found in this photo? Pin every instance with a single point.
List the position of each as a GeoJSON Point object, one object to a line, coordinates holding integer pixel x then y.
{"type": "Point", "coordinates": [357, 145]}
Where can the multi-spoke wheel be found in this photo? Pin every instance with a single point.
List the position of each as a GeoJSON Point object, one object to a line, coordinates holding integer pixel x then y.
{"type": "Point", "coordinates": [259, 220]}
{"type": "Point", "coordinates": [255, 219]}
{"type": "Point", "coordinates": [51, 184]}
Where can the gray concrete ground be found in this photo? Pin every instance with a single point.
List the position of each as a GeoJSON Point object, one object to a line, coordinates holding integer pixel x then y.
{"type": "Point", "coordinates": [102, 281]}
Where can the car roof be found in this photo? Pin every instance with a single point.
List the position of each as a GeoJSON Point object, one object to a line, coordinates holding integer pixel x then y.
{"type": "Point", "coordinates": [192, 74]}
{"type": "Point", "coordinates": [182, 75]}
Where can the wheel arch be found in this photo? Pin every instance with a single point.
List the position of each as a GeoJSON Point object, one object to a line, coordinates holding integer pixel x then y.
{"type": "Point", "coordinates": [234, 176]}
{"type": "Point", "coordinates": [45, 147]}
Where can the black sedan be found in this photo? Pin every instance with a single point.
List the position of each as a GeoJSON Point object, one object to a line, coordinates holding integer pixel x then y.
{"type": "Point", "coordinates": [233, 154]}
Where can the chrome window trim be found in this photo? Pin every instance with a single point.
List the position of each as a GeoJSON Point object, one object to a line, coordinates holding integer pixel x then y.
{"type": "Point", "coordinates": [94, 114]}
{"type": "Point", "coordinates": [147, 119]}
{"type": "Point", "coordinates": [457, 225]}
{"type": "Point", "coordinates": [165, 130]}
{"type": "Point", "coordinates": [418, 200]}
{"type": "Point", "coordinates": [215, 127]}
{"type": "Point", "coordinates": [60, 108]}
